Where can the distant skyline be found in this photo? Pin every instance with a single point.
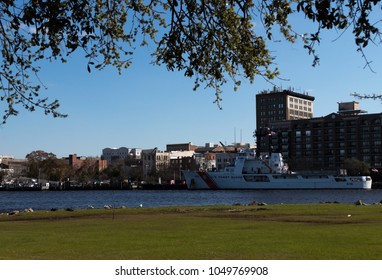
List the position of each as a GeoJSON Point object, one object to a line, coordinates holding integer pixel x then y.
{"type": "Point", "coordinates": [148, 107]}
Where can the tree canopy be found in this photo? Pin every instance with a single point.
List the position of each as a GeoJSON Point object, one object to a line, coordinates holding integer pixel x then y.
{"type": "Point", "coordinates": [211, 41]}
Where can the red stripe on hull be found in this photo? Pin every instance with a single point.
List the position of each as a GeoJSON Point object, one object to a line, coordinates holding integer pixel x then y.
{"type": "Point", "coordinates": [210, 183]}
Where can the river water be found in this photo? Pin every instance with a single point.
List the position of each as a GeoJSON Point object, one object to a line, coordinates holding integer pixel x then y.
{"type": "Point", "coordinates": [45, 200]}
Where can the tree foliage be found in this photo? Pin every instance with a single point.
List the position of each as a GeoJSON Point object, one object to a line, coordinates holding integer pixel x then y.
{"type": "Point", "coordinates": [43, 165]}
{"type": "Point", "coordinates": [356, 167]}
{"type": "Point", "coordinates": [39, 156]}
{"type": "Point", "coordinates": [211, 41]}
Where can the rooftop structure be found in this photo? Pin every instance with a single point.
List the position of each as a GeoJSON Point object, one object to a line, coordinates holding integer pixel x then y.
{"type": "Point", "coordinates": [349, 108]}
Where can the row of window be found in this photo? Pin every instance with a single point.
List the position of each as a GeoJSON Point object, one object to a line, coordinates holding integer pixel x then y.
{"type": "Point", "coordinates": [299, 101]}
{"type": "Point", "coordinates": [331, 145]}
{"type": "Point", "coordinates": [340, 138]}
{"type": "Point", "coordinates": [377, 161]}
{"type": "Point", "coordinates": [302, 108]}
{"type": "Point", "coordinates": [376, 122]}
{"type": "Point", "coordinates": [376, 132]}
{"type": "Point", "coordinates": [158, 157]}
{"type": "Point", "coordinates": [271, 106]}
{"type": "Point", "coordinates": [299, 114]}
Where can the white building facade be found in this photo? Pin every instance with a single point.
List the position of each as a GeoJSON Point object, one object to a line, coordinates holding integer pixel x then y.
{"type": "Point", "coordinates": [112, 154]}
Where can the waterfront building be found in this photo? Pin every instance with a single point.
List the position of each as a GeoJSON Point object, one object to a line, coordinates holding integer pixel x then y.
{"type": "Point", "coordinates": [224, 159]}
{"type": "Point", "coordinates": [215, 157]}
{"type": "Point", "coordinates": [180, 160]}
{"type": "Point", "coordinates": [76, 162]}
{"type": "Point", "coordinates": [324, 143]}
{"type": "Point", "coordinates": [6, 158]}
{"type": "Point", "coordinates": [181, 147]}
{"type": "Point", "coordinates": [279, 105]}
{"type": "Point", "coordinates": [154, 160]}
{"type": "Point", "coordinates": [16, 167]}
{"type": "Point", "coordinates": [205, 161]}
{"type": "Point", "coordinates": [115, 154]}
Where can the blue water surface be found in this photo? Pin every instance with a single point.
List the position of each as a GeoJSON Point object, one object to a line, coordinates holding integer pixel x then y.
{"type": "Point", "coordinates": [41, 200]}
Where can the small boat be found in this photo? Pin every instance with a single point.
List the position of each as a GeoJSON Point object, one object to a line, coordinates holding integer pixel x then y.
{"type": "Point", "coordinates": [250, 172]}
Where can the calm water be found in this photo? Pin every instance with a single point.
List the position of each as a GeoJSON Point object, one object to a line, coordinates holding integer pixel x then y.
{"type": "Point", "coordinates": [40, 200]}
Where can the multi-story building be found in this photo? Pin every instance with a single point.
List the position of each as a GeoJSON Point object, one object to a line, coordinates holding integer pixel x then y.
{"type": "Point", "coordinates": [279, 105]}
{"type": "Point", "coordinates": [324, 143]}
{"type": "Point", "coordinates": [77, 162]}
{"type": "Point", "coordinates": [181, 147]}
{"type": "Point", "coordinates": [113, 154]}
{"type": "Point", "coordinates": [225, 159]}
{"type": "Point", "coordinates": [16, 167]}
{"type": "Point", "coordinates": [181, 160]}
{"type": "Point", "coordinates": [154, 160]}
{"type": "Point", "coordinates": [215, 157]}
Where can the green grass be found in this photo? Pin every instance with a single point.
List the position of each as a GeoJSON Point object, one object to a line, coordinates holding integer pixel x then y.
{"type": "Point", "coordinates": [279, 232]}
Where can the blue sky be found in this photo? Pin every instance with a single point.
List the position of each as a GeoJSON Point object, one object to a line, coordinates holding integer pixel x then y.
{"type": "Point", "coordinates": [148, 107]}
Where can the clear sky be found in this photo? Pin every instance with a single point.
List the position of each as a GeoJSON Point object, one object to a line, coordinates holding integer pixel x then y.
{"type": "Point", "coordinates": [148, 107]}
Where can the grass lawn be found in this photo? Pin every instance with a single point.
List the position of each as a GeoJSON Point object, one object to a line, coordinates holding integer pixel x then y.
{"type": "Point", "coordinates": [275, 232]}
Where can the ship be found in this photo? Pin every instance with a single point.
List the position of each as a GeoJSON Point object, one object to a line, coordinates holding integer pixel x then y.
{"type": "Point", "coordinates": [250, 172]}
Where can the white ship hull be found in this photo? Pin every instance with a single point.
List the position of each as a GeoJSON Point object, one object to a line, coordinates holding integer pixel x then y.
{"type": "Point", "coordinates": [225, 181]}
{"type": "Point", "coordinates": [249, 173]}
